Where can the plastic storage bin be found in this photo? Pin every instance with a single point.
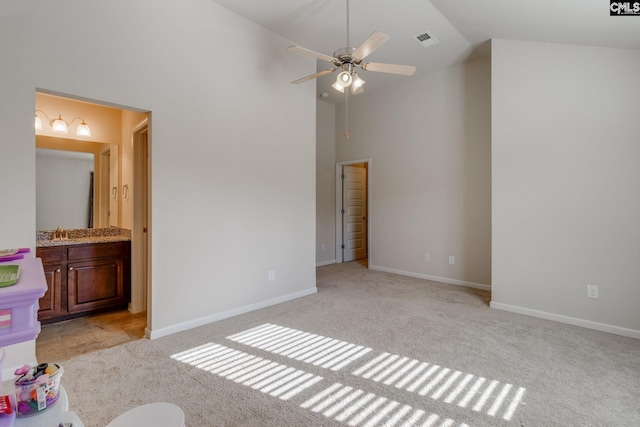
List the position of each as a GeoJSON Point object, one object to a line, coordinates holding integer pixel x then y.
{"type": "Point", "coordinates": [36, 395]}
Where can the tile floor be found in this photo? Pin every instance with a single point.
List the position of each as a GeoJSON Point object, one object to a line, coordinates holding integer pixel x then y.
{"type": "Point", "coordinates": [64, 340]}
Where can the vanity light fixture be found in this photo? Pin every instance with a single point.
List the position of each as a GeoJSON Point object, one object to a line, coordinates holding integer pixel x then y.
{"type": "Point", "coordinates": [59, 125]}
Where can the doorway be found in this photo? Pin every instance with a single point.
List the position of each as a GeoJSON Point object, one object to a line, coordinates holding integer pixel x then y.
{"type": "Point", "coordinates": [353, 193]}
{"type": "Point", "coordinates": [118, 132]}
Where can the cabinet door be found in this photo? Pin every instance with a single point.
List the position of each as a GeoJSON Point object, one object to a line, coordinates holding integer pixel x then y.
{"type": "Point", "coordinates": [95, 284]}
{"type": "Point", "coordinates": [51, 301]}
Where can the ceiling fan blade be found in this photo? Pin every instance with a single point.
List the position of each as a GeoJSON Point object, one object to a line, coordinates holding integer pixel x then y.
{"type": "Point", "coordinates": [373, 42]}
{"type": "Point", "coordinates": [405, 70]}
{"type": "Point", "coordinates": [314, 76]}
{"type": "Point", "coordinates": [303, 51]}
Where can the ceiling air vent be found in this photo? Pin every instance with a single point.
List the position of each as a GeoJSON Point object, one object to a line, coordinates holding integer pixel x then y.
{"type": "Point", "coordinates": [426, 39]}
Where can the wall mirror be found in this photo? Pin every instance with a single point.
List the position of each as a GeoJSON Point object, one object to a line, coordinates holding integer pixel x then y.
{"type": "Point", "coordinates": [76, 184]}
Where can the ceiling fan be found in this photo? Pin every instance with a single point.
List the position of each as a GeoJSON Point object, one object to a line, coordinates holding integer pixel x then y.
{"type": "Point", "coordinates": [347, 59]}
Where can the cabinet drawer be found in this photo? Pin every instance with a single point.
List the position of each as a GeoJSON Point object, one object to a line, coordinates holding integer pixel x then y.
{"type": "Point", "coordinates": [95, 251]}
{"type": "Point", "coordinates": [53, 254]}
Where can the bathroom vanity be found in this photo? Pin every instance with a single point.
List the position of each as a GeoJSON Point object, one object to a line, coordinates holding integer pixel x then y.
{"type": "Point", "coordinates": [85, 275]}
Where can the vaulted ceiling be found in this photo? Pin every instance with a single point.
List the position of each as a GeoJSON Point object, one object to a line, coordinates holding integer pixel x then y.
{"type": "Point", "coordinates": [461, 27]}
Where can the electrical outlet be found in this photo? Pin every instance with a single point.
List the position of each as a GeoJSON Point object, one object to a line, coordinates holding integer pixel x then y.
{"type": "Point", "coordinates": [592, 291]}
{"type": "Point", "coordinates": [427, 257]}
{"type": "Point", "coordinates": [452, 259]}
{"type": "Point", "coordinates": [272, 276]}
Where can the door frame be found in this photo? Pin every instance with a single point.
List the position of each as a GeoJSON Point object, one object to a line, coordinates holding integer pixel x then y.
{"type": "Point", "coordinates": [104, 193]}
{"type": "Point", "coordinates": [141, 255]}
{"type": "Point", "coordinates": [339, 185]}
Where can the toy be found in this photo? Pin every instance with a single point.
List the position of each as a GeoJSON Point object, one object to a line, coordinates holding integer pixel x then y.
{"type": "Point", "coordinates": [5, 405]}
{"type": "Point", "coordinates": [37, 387]}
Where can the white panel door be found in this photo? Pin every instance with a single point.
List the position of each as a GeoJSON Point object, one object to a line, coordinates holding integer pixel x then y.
{"type": "Point", "coordinates": [354, 221]}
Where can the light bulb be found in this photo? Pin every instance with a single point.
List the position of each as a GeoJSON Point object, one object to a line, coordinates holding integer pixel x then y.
{"type": "Point", "coordinates": [357, 81]}
{"type": "Point", "coordinates": [83, 129]}
{"type": "Point", "coordinates": [38, 123]}
{"type": "Point", "coordinates": [357, 84]}
{"type": "Point", "coordinates": [59, 125]}
{"type": "Point", "coordinates": [344, 79]}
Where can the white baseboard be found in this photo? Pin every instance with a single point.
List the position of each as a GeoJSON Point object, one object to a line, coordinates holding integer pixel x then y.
{"type": "Point", "coordinates": [603, 327]}
{"type": "Point", "coordinates": [159, 333]}
{"type": "Point", "coordinates": [323, 263]}
{"type": "Point", "coordinates": [430, 277]}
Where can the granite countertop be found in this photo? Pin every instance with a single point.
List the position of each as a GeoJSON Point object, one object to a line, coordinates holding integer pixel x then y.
{"type": "Point", "coordinates": [81, 240]}
{"type": "Point", "coordinates": [82, 236]}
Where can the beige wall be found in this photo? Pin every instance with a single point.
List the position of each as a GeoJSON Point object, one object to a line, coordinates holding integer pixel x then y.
{"type": "Point", "coordinates": [566, 183]}
{"type": "Point", "coordinates": [325, 183]}
{"type": "Point", "coordinates": [230, 201]}
{"type": "Point", "coordinates": [429, 140]}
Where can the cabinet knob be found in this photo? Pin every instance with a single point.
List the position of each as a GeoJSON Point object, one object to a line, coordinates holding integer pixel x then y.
{"type": "Point", "coordinates": [70, 268]}
{"type": "Point", "coordinates": [58, 270]}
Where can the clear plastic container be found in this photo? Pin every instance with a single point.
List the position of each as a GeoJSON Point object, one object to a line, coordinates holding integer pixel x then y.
{"type": "Point", "coordinates": [36, 395]}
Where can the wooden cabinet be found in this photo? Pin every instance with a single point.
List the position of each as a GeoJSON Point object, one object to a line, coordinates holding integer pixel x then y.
{"type": "Point", "coordinates": [85, 279]}
{"type": "Point", "coordinates": [51, 302]}
{"type": "Point", "coordinates": [95, 284]}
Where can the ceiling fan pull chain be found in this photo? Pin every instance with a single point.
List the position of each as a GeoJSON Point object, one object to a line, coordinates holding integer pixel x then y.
{"type": "Point", "coordinates": [346, 114]}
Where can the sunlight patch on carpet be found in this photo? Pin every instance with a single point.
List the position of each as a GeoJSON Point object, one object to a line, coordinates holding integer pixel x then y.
{"type": "Point", "coordinates": [444, 384]}
{"type": "Point", "coordinates": [433, 381]}
{"type": "Point", "coordinates": [355, 407]}
{"type": "Point", "coordinates": [260, 374]}
{"type": "Point", "coordinates": [303, 346]}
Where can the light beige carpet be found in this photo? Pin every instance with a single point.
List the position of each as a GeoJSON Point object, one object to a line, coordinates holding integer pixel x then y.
{"type": "Point", "coordinates": [370, 349]}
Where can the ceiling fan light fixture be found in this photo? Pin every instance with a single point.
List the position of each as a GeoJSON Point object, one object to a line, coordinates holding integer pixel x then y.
{"type": "Point", "coordinates": [338, 87]}
{"type": "Point", "coordinates": [357, 85]}
{"type": "Point", "coordinates": [347, 58]}
{"type": "Point", "coordinates": [344, 79]}
{"type": "Point", "coordinates": [357, 81]}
